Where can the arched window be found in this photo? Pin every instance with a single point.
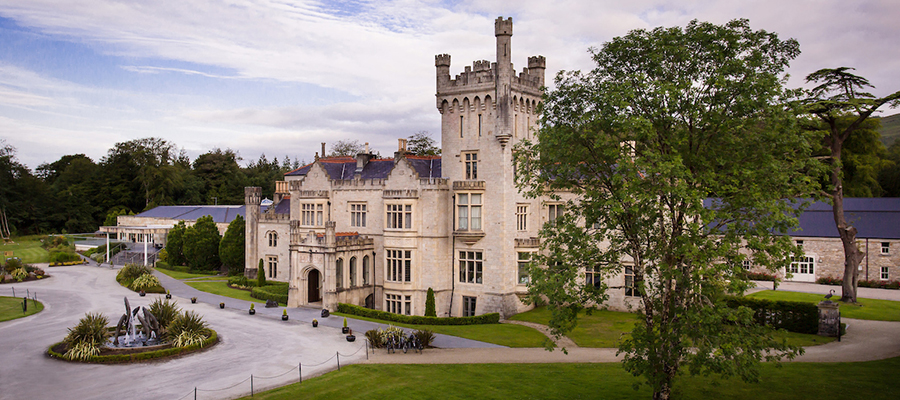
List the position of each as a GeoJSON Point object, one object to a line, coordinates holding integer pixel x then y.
{"type": "Point", "coordinates": [352, 271]}
{"type": "Point", "coordinates": [365, 270]}
{"type": "Point", "coordinates": [273, 239]}
{"type": "Point", "coordinates": [339, 273]}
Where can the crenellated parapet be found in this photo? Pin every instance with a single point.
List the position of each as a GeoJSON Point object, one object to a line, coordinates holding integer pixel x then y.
{"type": "Point", "coordinates": [252, 195]}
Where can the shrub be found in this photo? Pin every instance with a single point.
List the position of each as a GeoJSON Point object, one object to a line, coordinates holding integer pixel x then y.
{"type": "Point", "coordinates": [187, 326]}
{"type": "Point", "coordinates": [241, 281]}
{"type": "Point", "coordinates": [145, 282]}
{"type": "Point", "coordinates": [20, 274]}
{"type": "Point", "coordinates": [878, 284]}
{"type": "Point", "coordinates": [165, 311]}
{"type": "Point", "coordinates": [13, 264]}
{"type": "Point", "coordinates": [63, 256]}
{"type": "Point", "coordinates": [794, 316]}
{"type": "Point", "coordinates": [827, 280]}
{"type": "Point", "coordinates": [761, 276]}
{"type": "Point", "coordinates": [82, 351]}
{"type": "Point", "coordinates": [492, 318]}
{"type": "Point", "coordinates": [163, 265]}
{"type": "Point", "coordinates": [425, 336]}
{"type": "Point", "coordinates": [277, 291]}
{"type": "Point", "coordinates": [374, 337]}
{"type": "Point", "coordinates": [132, 271]}
{"type": "Point", "coordinates": [429, 304]}
{"type": "Point", "coordinates": [162, 256]}
{"type": "Point", "coordinates": [90, 329]}
{"type": "Point", "coordinates": [260, 275]}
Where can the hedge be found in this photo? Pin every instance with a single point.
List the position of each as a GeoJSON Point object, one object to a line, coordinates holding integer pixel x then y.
{"type": "Point", "coordinates": [877, 284]}
{"type": "Point", "coordinates": [492, 318]}
{"type": "Point", "coordinates": [145, 356]}
{"type": "Point", "coordinates": [67, 263]}
{"type": "Point", "coordinates": [272, 291]}
{"type": "Point", "coordinates": [794, 316]}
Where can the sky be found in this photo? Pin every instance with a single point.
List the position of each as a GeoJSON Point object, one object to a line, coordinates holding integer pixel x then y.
{"type": "Point", "coordinates": [279, 77]}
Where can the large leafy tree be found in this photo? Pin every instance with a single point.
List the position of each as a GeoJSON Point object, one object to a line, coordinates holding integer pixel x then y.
{"type": "Point", "coordinates": [222, 177]}
{"type": "Point", "coordinates": [669, 119]}
{"type": "Point", "coordinates": [840, 103]}
{"type": "Point", "coordinates": [175, 244]}
{"type": "Point", "coordinates": [201, 245]}
{"type": "Point", "coordinates": [421, 144]}
{"type": "Point", "coordinates": [231, 248]}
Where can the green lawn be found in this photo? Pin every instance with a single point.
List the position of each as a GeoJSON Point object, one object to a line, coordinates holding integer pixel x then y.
{"type": "Point", "coordinates": [183, 274]}
{"type": "Point", "coordinates": [873, 309]}
{"type": "Point", "coordinates": [11, 308]}
{"type": "Point", "coordinates": [221, 288]}
{"type": "Point", "coordinates": [503, 334]}
{"type": "Point", "coordinates": [604, 328]}
{"type": "Point", "coordinates": [28, 248]}
{"type": "Point", "coordinates": [871, 380]}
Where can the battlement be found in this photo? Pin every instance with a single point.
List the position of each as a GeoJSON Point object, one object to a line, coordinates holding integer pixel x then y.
{"type": "Point", "coordinates": [442, 60]}
{"type": "Point", "coordinates": [503, 27]}
{"type": "Point", "coordinates": [252, 195]}
{"type": "Point", "coordinates": [537, 62]}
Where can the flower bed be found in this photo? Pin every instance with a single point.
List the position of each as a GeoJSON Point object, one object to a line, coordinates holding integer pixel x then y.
{"type": "Point", "coordinates": [136, 354]}
{"type": "Point", "coordinates": [876, 284]}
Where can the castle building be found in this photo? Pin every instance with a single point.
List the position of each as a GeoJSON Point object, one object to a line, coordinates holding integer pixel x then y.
{"type": "Point", "coordinates": [381, 232]}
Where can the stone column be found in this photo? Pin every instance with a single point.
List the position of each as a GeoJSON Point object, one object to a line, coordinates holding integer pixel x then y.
{"type": "Point", "coordinates": [829, 318]}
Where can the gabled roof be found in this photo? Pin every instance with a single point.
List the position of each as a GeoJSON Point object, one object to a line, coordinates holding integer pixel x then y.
{"type": "Point", "coordinates": [340, 168]}
{"type": "Point", "coordinates": [220, 214]}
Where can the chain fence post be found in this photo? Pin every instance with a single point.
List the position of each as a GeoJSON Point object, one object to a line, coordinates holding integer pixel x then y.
{"type": "Point", "coordinates": [300, 371]}
{"type": "Point", "coordinates": [367, 348]}
{"type": "Point", "coordinates": [251, 385]}
{"type": "Point", "coordinates": [338, 355]}
{"type": "Point", "coordinates": [195, 393]}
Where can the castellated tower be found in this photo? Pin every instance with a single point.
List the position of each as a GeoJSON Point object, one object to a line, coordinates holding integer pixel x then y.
{"type": "Point", "coordinates": [485, 110]}
{"type": "Point", "coordinates": [252, 199]}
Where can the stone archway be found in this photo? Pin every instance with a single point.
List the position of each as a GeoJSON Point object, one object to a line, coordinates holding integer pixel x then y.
{"type": "Point", "coordinates": [313, 286]}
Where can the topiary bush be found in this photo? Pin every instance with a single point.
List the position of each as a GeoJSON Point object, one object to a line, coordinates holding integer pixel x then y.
{"type": "Point", "coordinates": [260, 274]}
{"type": "Point", "coordinates": [492, 318]}
{"type": "Point", "coordinates": [429, 304]}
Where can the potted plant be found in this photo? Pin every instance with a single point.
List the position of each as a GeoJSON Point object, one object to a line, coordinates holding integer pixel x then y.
{"type": "Point", "coordinates": [221, 305]}
{"type": "Point", "coordinates": [252, 310]}
{"type": "Point", "coordinates": [193, 300]}
{"type": "Point", "coordinates": [350, 337]}
{"type": "Point", "coordinates": [345, 329]}
{"type": "Point", "coordinates": [168, 295]}
{"type": "Point", "coordinates": [315, 323]}
{"type": "Point", "coordinates": [142, 293]}
{"type": "Point", "coordinates": [284, 316]}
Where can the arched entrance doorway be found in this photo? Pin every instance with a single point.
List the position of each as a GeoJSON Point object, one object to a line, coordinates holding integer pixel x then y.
{"type": "Point", "coordinates": [313, 280]}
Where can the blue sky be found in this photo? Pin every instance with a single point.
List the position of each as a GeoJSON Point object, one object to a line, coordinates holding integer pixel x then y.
{"type": "Point", "coordinates": [280, 77]}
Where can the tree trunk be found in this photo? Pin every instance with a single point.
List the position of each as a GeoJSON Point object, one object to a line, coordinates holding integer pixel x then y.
{"type": "Point", "coordinates": [852, 256]}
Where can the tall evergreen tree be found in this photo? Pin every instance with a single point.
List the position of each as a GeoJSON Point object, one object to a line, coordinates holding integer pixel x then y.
{"type": "Point", "coordinates": [175, 244]}
{"type": "Point", "coordinates": [231, 249]}
{"type": "Point", "coordinates": [201, 245]}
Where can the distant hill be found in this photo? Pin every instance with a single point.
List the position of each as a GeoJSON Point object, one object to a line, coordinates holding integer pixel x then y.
{"type": "Point", "coordinates": [890, 129]}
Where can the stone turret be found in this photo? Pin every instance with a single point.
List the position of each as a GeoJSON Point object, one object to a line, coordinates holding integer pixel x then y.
{"type": "Point", "coordinates": [252, 198]}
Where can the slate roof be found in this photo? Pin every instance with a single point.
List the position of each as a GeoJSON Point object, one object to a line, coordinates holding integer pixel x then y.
{"type": "Point", "coordinates": [283, 207]}
{"type": "Point", "coordinates": [874, 218]}
{"type": "Point", "coordinates": [339, 168]}
{"type": "Point", "coordinates": [220, 214]}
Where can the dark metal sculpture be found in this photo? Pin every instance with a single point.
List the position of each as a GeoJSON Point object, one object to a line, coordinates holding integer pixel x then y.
{"type": "Point", "coordinates": [149, 326]}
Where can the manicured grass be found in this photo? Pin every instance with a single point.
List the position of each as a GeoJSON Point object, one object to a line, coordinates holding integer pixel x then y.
{"type": "Point", "coordinates": [28, 248]}
{"type": "Point", "coordinates": [833, 381]}
{"type": "Point", "coordinates": [603, 328]}
{"type": "Point", "coordinates": [177, 274]}
{"type": "Point", "coordinates": [209, 279]}
{"type": "Point", "coordinates": [221, 288]}
{"type": "Point", "coordinates": [873, 309]}
{"type": "Point", "coordinates": [11, 308]}
{"type": "Point", "coordinates": [503, 334]}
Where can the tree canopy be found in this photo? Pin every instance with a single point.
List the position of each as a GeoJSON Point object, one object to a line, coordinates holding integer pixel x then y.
{"type": "Point", "coordinates": [842, 108]}
{"type": "Point", "coordinates": [201, 245]}
{"type": "Point", "coordinates": [421, 144]}
{"type": "Point", "coordinates": [675, 156]}
{"type": "Point", "coordinates": [231, 248]}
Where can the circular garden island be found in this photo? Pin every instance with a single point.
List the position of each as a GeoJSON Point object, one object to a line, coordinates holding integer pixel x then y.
{"type": "Point", "coordinates": [159, 331]}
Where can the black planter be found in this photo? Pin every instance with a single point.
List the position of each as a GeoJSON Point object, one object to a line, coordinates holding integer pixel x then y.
{"type": "Point", "coordinates": [284, 317]}
{"type": "Point", "coordinates": [221, 305]}
{"type": "Point", "coordinates": [315, 324]}
{"type": "Point", "coordinates": [142, 294]}
{"type": "Point", "coordinates": [252, 311]}
{"type": "Point", "coordinates": [351, 338]}
{"type": "Point", "coordinates": [168, 296]}
{"type": "Point", "coordinates": [193, 300]}
{"type": "Point", "coordinates": [325, 313]}
{"type": "Point", "coordinates": [345, 330]}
